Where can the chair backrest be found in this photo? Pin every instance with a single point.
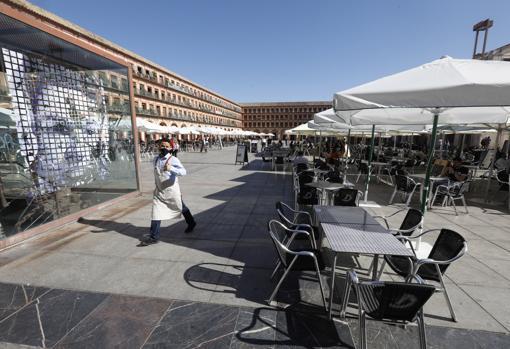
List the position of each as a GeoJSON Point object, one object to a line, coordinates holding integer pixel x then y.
{"type": "Point", "coordinates": [307, 196]}
{"type": "Point", "coordinates": [449, 244]}
{"type": "Point", "coordinates": [404, 183]}
{"type": "Point", "coordinates": [346, 197]}
{"type": "Point", "coordinates": [394, 301]}
{"type": "Point", "coordinates": [409, 163]}
{"type": "Point", "coordinates": [362, 167]}
{"type": "Point", "coordinates": [279, 160]}
{"type": "Point", "coordinates": [278, 232]}
{"type": "Point", "coordinates": [502, 176]}
{"type": "Point", "coordinates": [412, 219]}
{"type": "Point", "coordinates": [305, 177]}
{"type": "Point", "coordinates": [458, 188]}
{"type": "Point", "coordinates": [288, 216]}
{"type": "Point", "coordinates": [301, 167]}
{"type": "Point", "coordinates": [334, 177]}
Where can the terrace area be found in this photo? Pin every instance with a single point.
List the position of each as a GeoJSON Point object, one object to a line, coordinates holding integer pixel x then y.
{"type": "Point", "coordinates": [88, 284]}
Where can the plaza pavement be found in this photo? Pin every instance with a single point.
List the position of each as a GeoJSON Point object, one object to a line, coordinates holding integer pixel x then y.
{"type": "Point", "coordinates": [87, 284]}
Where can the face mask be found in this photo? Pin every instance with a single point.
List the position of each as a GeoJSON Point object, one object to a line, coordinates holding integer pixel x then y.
{"type": "Point", "coordinates": [163, 152]}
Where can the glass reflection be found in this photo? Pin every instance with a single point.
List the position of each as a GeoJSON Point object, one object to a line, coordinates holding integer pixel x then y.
{"type": "Point", "coordinates": [65, 135]}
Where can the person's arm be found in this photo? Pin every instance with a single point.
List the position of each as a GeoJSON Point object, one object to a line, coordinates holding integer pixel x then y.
{"type": "Point", "coordinates": [175, 167]}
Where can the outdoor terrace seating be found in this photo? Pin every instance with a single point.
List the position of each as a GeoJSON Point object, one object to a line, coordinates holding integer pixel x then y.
{"type": "Point", "coordinates": [448, 247]}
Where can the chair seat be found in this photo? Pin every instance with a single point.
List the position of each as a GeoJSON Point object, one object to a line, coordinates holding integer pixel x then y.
{"type": "Point", "coordinates": [304, 263]}
{"type": "Point", "coordinates": [400, 265]}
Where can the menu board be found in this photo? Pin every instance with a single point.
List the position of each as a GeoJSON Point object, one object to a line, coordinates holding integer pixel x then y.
{"type": "Point", "coordinates": [241, 154]}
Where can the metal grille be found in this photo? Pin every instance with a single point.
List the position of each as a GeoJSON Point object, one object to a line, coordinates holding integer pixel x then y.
{"type": "Point", "coordinates": [62, 122]}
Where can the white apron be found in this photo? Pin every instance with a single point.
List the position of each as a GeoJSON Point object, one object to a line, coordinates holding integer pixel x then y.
{"type": "Point", "coordinates": [166, 200]}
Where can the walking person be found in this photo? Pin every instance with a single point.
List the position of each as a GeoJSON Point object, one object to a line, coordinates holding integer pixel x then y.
{"type": "Point", "coordinates": [167, 199]}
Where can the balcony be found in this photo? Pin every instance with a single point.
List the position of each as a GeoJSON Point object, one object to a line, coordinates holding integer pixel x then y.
{"type": "Point", "coordinates": [122, 108]}
{"type": "Point", "coordinates": [147, 112]}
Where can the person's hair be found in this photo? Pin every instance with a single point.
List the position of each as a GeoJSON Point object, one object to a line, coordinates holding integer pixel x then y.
{"type": "Point", "coordinates": [300, 153]}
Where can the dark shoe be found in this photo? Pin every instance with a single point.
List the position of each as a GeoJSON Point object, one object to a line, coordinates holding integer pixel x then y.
{"type": "Point", "coordinates": [190, 227]}
{"type": "Point", "coordinates": [148, 241]}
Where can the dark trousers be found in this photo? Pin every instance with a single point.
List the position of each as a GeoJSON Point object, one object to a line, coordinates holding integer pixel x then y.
{"type": "Point", "coordinates": [156, 224]}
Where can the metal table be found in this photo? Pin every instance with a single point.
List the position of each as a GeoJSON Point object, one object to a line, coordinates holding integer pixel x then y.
{"type": "Point", "coordinates": [343, 215]}
{"type": "Point", "coordinates": [328, 187]}
{"type": "Point", "coordinates": [421, 176]}
{"type": "Point", "coordinates": [380, 166]}
{"type": "Point", "coordinates": [357, 239]}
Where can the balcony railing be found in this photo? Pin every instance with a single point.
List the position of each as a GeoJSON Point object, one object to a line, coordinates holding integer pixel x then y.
{"type": "Point", "coordinates": [187, 90]}
{"type": "Point", "coordinates": [118, 108]}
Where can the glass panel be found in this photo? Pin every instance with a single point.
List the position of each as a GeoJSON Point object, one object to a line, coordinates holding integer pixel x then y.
{"type": "Point", "coordinates": [65, 136]}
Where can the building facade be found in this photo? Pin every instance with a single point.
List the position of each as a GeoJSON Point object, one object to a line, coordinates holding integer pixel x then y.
{"type": "Point", "coordinates": [160, 95]}
{"type": "Point", "coordinates": [499, 54]}
{"type": "Point", "coordinates": [279, 116]}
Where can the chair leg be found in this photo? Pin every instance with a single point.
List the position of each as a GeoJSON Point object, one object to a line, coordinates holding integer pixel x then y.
{"type": "Point", "coordinates": [446, 295]}
{"type": "Point", "coordinates": [320, 283]}
{"type": "Point", "coordinates": [393, 196]}
{"type": "Point", "coordinates": [383, 264]}
{"type": "Point", "coordinates": [275, 291]}
{"type": "Point", "coordinates": [345, 300]}
{"type": "Point", "coordinates": [453, 204]}
{"type": "Point", "coordinates": [275, 269]}
{"type": "Point", "coordinates": [409, 198]}
{"type": "Point", "coordinates": [363, 331]}
{"type": "Point", "coordinates": [464, 203]}
{"type": "Point", "coordinates": [434, 197]}
{"type": "Point", "coordinates": [421, 331]}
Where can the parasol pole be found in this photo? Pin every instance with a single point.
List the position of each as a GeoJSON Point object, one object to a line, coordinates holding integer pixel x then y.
{"type": "Point", "coordinates": [371, 152]}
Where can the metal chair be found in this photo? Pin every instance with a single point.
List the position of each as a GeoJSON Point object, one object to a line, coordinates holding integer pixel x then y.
{"type": "Point", "coordinates": [296, 220]}
{"type": "Point", "coordinates": [413, 220]}
{"type": "Point", "coordinates": [334, 177]}
{"type": "Point", "coordinates": [502, 178]}
{"type": "Point", "coordinates": [451, 192]}
{"type": "Point", "coordinates": [409, 165]}
{"type": "Point", "coordinates": [306, 195]}
{"type": "Point", "coordinates": [405, 186]}
{"type": "Point", "coordinates": [448, 247]}
{"type": "Point", "coordinates": [362, 170]}
{"type": "Point", "coordinates": [288, 257]}
{"type": "Point", "coordinates": [301, 167]}
{"type": "Point", "coordinates": [346, 197]}
{"type": "Point", "coordinates": [390, 302]}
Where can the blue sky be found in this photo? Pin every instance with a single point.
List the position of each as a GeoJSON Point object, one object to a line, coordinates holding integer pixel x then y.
{"type": "Point", "coordinates": [284, 50]}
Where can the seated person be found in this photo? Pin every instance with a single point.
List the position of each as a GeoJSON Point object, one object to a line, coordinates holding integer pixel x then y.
{"type": "Point", "coordinates": [300, 159]}
{"type": "Point", "coordinates": [453, 172]}
{"type": "Point", "coordinates": [336, 154]}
